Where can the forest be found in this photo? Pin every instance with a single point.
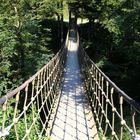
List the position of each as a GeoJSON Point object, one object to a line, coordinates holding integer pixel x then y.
{"type": "Point", "coordinates": [30, 35]}
{"type": "Point", "coordinates": [32, 31]}
{"type": "Point", "coordinates": [111, 37]}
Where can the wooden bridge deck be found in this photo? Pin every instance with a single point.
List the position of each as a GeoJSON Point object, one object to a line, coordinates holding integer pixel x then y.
{"type": "Point", "coordinates": [74, 119]}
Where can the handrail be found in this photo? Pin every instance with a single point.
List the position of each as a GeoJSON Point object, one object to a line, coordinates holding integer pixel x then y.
{"type": "Point", "coordinates": [107, 101]}
{"type": "Point", "coordinates": [13, 92]}
{"type": "Point", "coordinates": [33, 100]}
{"type": "Point", "coordinates": [120, 92]}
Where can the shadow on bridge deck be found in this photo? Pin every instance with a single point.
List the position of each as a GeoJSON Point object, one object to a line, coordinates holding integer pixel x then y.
{"type": "Point", "coordinates": [74, 119]}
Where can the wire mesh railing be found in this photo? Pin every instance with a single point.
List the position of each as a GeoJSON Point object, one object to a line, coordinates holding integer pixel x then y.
{"type": "Point", "coordinates": [27, 112]}
{"type": "Point", "coordinates": [117, 115]}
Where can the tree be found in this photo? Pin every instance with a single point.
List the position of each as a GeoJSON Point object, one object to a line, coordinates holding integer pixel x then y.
{"type": "Point", "coordinates": [113, 38]}
{"type": "Point", "coordinates": [25, 38]}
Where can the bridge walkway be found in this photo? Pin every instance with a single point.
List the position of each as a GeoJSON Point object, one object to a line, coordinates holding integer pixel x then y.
{"type": "Point", "coordinates": [74, 119]}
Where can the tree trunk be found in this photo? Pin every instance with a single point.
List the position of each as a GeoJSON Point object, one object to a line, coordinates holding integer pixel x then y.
{"type": "Point", "coordinates": [90, 30]}
{"type": "Point", "coordinates": [20, 40]}
{"type": "Point", "coordinates": [75, 20]}
{"type": "Point", "coordinates": [21, 53]}
{"type": "Point", "coordinates": [81, 31]}
{"type": "Point", "coordinates": [69, 18]}
{"type": "Point", "coordinates": [58, 31]}
{"type": "Point", "coordinates": [61, 32]}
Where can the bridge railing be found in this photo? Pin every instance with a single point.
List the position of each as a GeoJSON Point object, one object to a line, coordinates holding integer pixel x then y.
{"type": "Point", "coordinates": [117, 115]}
{"type": "Point", "coordinates": [27, 111]}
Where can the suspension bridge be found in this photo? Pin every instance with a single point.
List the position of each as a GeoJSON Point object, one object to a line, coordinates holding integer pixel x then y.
{"type": "Point", "coordinates": [70, 98]}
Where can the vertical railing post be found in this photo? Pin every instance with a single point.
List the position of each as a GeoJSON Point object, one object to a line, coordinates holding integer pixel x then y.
{"type": "Point", "coordinates": [133, 114]}
{"type": "Point", "coordinates": [107, 108]}
{"type": "Point", "coordinates": [4, 108]}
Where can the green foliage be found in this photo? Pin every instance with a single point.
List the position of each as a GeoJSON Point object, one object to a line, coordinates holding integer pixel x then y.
{"type": "Point", "coordinates": [113, 33]}
{"type": "Point", "coordinates": [30, 36]}
{"type": "Point", "coordinates": [112, 40]}
{"type": "Point", "coordinates": [25, 40]}
{"type": "Point", "coordinates": [102, 62]}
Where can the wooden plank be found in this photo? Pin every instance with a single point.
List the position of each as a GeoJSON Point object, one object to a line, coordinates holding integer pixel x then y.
{"type": "Point", "coordinates": [74, 119]}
